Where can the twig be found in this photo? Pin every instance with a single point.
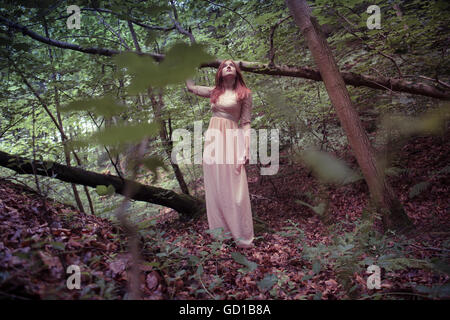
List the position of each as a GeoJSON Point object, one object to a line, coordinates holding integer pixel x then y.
{"type": "Point", "coordinates": [233, 10]}
{"type": "Point", "coordinates": [272, 32]}
{"type": "Point", "coordinates": [430, 248]}
{"type": "Point", "coordinates": [177, 24]}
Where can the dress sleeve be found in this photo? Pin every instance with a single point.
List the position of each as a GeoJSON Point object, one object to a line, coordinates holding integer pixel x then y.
{"type": "Point", "coordinates": [246, 110]}
{"type": "Point", "coordinates": [202, 91]}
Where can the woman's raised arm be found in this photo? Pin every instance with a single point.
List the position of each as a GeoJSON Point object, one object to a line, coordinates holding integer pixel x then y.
{"type": "Point", "coordinates": [201, 91]}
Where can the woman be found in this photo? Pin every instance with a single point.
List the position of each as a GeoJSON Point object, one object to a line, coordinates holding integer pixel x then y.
{"type": "Point", "coordinates": [226, 189]}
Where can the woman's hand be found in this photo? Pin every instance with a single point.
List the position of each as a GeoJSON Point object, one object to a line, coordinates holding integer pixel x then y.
{"type": "Point", "coordinates": [246, 158]}
{"type": "Point", "coordinates": [243, 162]}
{"type": "Point", "coordinates": [190, 84]}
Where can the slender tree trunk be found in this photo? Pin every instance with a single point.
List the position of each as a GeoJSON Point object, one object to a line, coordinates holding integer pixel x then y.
{"type": "Point", "coordinates": [394, 217]}
{"type": "Point", "coordinates": [64, 138]}
{"type": "Point", "coordinates": [167, 143]}
{"type": "Point", "coordinates": [67, 153]}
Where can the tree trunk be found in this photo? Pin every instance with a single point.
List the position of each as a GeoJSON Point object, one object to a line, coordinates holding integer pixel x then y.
{"type": "Point", "coordinates": [64, 137]}
{"type": "Point", "coordinates": [167, 142]}
{"type": "Point", "coordinates": [67, 153]}
{"type": "Point", "coordinates": [394, 217]}
{"type": "Point", "coordinates": [188, 206]}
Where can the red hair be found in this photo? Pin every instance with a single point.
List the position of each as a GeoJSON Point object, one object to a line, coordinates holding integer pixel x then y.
{"type": "Point", "coordinates": [239, 85]}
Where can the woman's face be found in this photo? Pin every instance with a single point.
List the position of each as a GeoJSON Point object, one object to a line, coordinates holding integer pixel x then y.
{"type": "Point", "coordinates": [228, 70]}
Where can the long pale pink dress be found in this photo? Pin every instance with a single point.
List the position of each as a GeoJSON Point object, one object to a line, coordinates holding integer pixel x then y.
{"type": "Point", "coordinates": [226, 188]}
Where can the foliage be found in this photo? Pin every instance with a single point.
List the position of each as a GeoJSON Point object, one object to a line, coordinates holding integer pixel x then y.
{"type": "Point", "coordinates": [350, 253]}
{"type": "Point", "coordinates": [105, 107]}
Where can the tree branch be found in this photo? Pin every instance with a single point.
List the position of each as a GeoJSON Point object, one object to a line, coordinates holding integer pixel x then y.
{"type": "Point", "coordinates": [143, 25]}
{"type": "Point", "coordinates": [184, 204]}
{"type": "Point", "coordinates": [65, 45]}
{"type": "Point", "coordinates": [350, 78]}
{"type": "Point", "coordinates": [272, 33]}
{"type": "Point", "coordinates": [233, 10]}
{"type": "Point", "coordinates": [177, 24]}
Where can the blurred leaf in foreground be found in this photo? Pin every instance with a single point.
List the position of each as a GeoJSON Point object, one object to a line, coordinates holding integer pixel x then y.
{"type": "Point", "coordinates": [432, 122]}
{"type": "Point", "coordinates": [327, 168]}
{"type": "Point", "coordinates": [180, 63]}
{"type": "Point", "coordinates": [105, 106]}
{"type": "Point", "coordinates": [118, 135]}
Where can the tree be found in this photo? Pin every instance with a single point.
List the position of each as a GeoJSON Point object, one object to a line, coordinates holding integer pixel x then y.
{"type": "Point", "coordinates": [394, 217]}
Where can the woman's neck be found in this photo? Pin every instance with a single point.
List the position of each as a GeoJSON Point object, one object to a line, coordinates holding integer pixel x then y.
{"type": "Point", "coordinates": [228, 84]}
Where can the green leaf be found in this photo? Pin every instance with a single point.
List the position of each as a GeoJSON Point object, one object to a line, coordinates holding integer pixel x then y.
{"type": "Point", "coordinates": [199, 270]}
{"type": "Point", "coordinates": [104, 106]}
{"type": "Point", "coordinates": [153, 163]}
{"type": "Point", "coordinates": [158, 9]}
{"type": "Point", "coordinates": [441, 265]}
{"type": "Point", "coordinates": [393, 171]}
{"type": "Point", "coordinates": [319, 209]}
{"type": "Point", "coordinates": [268, 282]}
{"type": "Point", "coordinates": [318, 295]}
{"type": "Point", "coordinates": [180, 63]}
{"type": "Point", "coordinates": [193, 260]}
{"type": "Point", "coordinates": [101, 190]}
{"type": "Point", "coordinates": [21, 255]}
{"type": "Point", "coordinates": [316, 267]}
{"type": "Point", "coordinates": [307, 277]}
{"type": "Point", "coordinates": [58, 245]}
{"type": "Point", "coordinates": [155, 264]}
{"type": "Point", "coordinates": [239, 258]}
{"type": "Point", "coordinates": [418, 189]}
{"type": "Point", "coordinates": [180, 273]}
{"type": "Point", "coordinates": [118, 135]}
{"type": "Point", "coordinates": [126, 133]}
{"type": "Point", "coordinates": [49, 165]}
{"type": "Point", "coordinates": [328, 168]}
{"type": "Point", "coordinates": [105, 190]}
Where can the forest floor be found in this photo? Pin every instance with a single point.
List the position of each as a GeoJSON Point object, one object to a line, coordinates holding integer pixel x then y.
{"type": "Point", "coordinates": [297, 253]}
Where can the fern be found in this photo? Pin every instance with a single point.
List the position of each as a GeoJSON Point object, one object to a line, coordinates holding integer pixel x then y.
{"type": "Point", "coordinates": [352, 252]}
{"type": "Point", "coordinates": [422, 186]}
{"type": "Point", "coordinates": [418, 189]}
{"type": "Point", "coordinates": [444, 170]}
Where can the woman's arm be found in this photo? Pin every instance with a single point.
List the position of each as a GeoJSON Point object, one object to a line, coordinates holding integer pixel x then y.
{"type": "Point", "coordinates": [201, 91]}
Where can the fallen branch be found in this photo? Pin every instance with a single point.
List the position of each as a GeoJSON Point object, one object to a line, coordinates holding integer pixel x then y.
{"type": "Point", "coordinates": [187, 206]}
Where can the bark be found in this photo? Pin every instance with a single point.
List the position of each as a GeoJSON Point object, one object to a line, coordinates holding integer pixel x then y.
{"type": "Point", "coordinates": [166, 139]}
{"type": "Point", "coordinates": [188, 207]}
{"type": "Point", "coordinates": [394, 216]}
{"type": "Point", "coordinates": [67, 154]}
{"type": "Point", "coordinates": [63, 137]}
{"type": "Point", "coordinates": [350, 78]}
{"type": "Point", "coordinates": [66, 45]}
